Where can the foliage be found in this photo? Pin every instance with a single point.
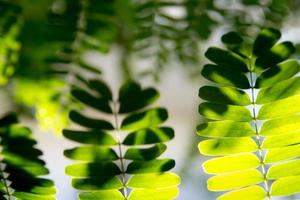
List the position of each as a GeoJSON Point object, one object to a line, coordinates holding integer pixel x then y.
{"type": "Point", "coordinates": [257, 148]}
{"type": "Point", "coordinates": [20, 165]}
{"type": "Point", "coordinates": [10, 22]}
{"type": "Point", "coordinates": [103, 142]}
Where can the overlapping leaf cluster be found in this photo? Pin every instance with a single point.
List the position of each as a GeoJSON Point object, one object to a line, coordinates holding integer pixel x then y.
{"type": "Point", "coordinates": [20, 166]}
{"type": "Point", "coordinates": [10, 23]}
{"type": "Point", "coordinates": [254, 118]}
{"type": "Point", "coordinates": [120, 160]}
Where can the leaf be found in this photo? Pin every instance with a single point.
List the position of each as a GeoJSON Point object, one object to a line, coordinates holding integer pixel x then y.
{"type": "Point", "coordinates": [89, 122]}
{"type": "Point", "coordinates": [228, 146]}
{"type": "Point", "coordinates": [247, 193]}
{"type": "Point", "coordinates": [107, 195]}
{"type": "Point", "coordinates": [101, 104]}
{"type": "Point", "coordinates": [280, 108]}
{"type": "Point", "coordinates": [282, 153]}
{"type": "Point", "coordinates": [154, 181]}
{"type": "Point", "coordinates": [231, 163]}
{"type": "Point", "coordinates": [234, 180]}
{"type": "Point", "coordinates": [153, 166]}
{"type": "Point", "coordinates": [227, 59]}
{"type": "Point", "coordinates": [93, 184]}
{"type": "Point", "coordinates": [281, 126]}
{"type": "Point", "coordinates": [279, 91]}
{"type": "Point", "coordinates": [94, 169]}
{"type": "Point", "coordinates": [282, 140]}
{"type": "Point", "coordinates": [148, 194]}
{"type": "Point", "coordinates": [265, 40]}
{"type": "Point", "coordinates": [224, 95]}
{"type": "Point", "coordinates": [286, 186]}
{"type": "Point", "coordinates": [149, 136]}
{"type": "Point", "coordinates": [289, 168]}
{"type": "Point", "coordinates": [90, 137]}
{"type": "Point", "coordinates": [225, 77]}
{"type": "Point", "coordinates": [91, 153]}
{"type": "Point", "coordinates": [225, 129]}
{"type": "Point", "coordinates": [145, 154]}
{"type": "Point", "coordinates": [280, 72]}
{"type": "Point", "coordinates": [277, 54]}
{"type": "Point", "coordinates": [224, 112]}
{"type": "Point", "coordinates": [101, 88]}
{"type": "Point", "coordinates": [149, 118]}
{"type": "Point", "coordinates": [133, 98]}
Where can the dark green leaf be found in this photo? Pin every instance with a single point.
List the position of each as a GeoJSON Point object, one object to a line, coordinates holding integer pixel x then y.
{"type": "Point", "coordinates": [89, 122]}
{"type": "Point", "coordinates": [149, 136]}
{"type": "Point", "coordinates": [153, 166]}
{"type": "Point", "coordinates": [225, 77]}
{"type": "Point", "coordinates": [90, 137]}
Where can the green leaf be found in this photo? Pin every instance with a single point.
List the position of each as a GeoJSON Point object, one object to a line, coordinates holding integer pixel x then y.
{"type": "Point", "coordinates": [277, 54]}
{"type": "Point", "coordinates": [218, 147]}
{"type": "Point", "coordinates": [289, 168]}
{"type": "Point", "coordinates": [133, 98]}
{"type": "Point", "coordinates": [99, 183]}
{"type": "Point", "coordinates": [234, 42]}
{"type": "Point", "coordinates": [282, 153]}
{"type": "Point", "coordinates": [225, 129]}
{"type": "Point", "coordinates": [30, 196]}
{"type": "Point", "coordinates": [89, 122]}
{"type": "Point", "coordinates": [107, 195]}
{"type": "Point", "coordinates": [91, 153]}
{"type": "Point", "coordinates": [231, 163]}
{"type": "Point", "coordinates": [280, 72]}
{"type": "Point", "coordinates": [153, 166]}
{"type": "Point", "coordinates": [146, 153]}
{"type": "Point", "coordinates": [90, 137]}
{"type": "Point", "coordinates": [280, 108]}
{"type": "Point", "coordinates": [154, 181]}
{"type": "Point", "coordinates": [150, 118]}
{"type": "Point", "coordinates": [101, 88]}
{"type": "Point", "coordinates": [282, 140]}
{"type": "Point", "coordinates": [227, 59]}
{"type": "Point", "coordinates": [82, 170]}
{"type": "Point", "coordinates": [224, 112]}
{"type": "Point", "coordinates": [280, 126]}
{"type": "Point", "coordinates": [225, 77]}
{"type": "Point", "coordinates": [248, 193]}
{"type": "Point", "coordinates": [279, 91]}
{"type": "Point", "coordinates": [149, 136]}
{"type": "Point", "coordinates": [99, 103]}
{"type": "Point", "coordinates": [224, 95]}
{"type": "Point", "coordinates": [234, 180]}
{"type": "Point", "coordinates": [265, 40]}
{"type": "Point", "coordinates": [157, 194]}
{"type": "Point", "coordinates": [286, 186]}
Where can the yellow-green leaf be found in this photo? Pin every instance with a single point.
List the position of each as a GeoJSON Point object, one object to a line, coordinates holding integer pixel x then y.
{"type": "Point", "coordinates": [286, 186]}
{"type": "Point", "coordinates": [234, 180]}
{"type": "Point", "coordinates": [224, 112]}
{"type": "Point", "coordinates": [280, 108]}
{"type": "Point", "coordinates": [225, 129]}
{"type": "Point", "coordinates": [153, 181]}
{"type": "Point", "coordinates": [151, 194]}
{"type": "Point", "coordinates": [228, 146]}
{"type": "Point", "coordinates": [231, 163]}
{"type": "Point", "coordinates": [248, 193]}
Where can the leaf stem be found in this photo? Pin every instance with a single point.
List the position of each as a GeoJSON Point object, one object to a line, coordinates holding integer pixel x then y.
{"type": "Point", "coordinates": [117, 135]}
{"type": "Point", "coordinates": [258, 137]}
{"type": "Point", "coordinates": [4, 181]}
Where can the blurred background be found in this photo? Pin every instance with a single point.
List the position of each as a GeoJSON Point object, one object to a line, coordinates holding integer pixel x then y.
{"type": "Point", "coordinates": [45, 46]}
